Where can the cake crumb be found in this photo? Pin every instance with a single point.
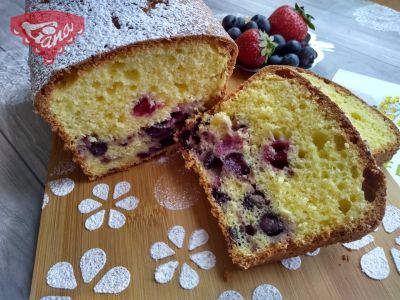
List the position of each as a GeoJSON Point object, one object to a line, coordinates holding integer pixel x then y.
{"type": "Point", "coordinates": [345, 257]}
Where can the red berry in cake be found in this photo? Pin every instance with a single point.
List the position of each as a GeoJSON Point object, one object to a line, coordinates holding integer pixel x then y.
{"type": "Point", "coordinates": [236, 164]}
{"type": "Point", "coordinates": [254, 48]}
{"type": "Point", "coordinates": [219, 196]}
{"type": "Point", "coordinates": [210, 161]}
{"type": "Point", "coordinates": [250, 230]}
{"type": "Point", "coordinates": [291, 23]}
{"type": "Point", "coordinates": [276, 153]}
{"type": "Point", "coordinates": [145, 106]}
{"type": "Point", "coordinates": [271, 224]}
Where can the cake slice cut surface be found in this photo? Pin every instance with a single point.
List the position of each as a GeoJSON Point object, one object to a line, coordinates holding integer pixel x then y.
{"type": "Point", "coordinates": [379, 132]}
{"type": "Point", "coordinates": [284, 169]}
{"type": "Point", "coordinates": [121, 90]}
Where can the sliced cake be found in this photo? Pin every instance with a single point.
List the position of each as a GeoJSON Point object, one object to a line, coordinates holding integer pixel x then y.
{"type": "Point", "coordinates": [139, 69]}
{"type": "Point", "coordinates": [284, 169]}
{"type": "Point", "coordinates": [379, 132]}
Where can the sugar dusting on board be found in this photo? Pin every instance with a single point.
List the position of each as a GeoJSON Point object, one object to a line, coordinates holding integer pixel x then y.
{"type": "Point", "coordinates": [188, 279]}
{"type": "Point", "coordinates": [396, 258]}
{"type": "Point", "coordinates": [56, 298]}
{"type": "Point", "coordinates": [160, 250]}
{"type": "Point", "coordinates": [45, 200]}
{"type": "Point", "coordinates": [266, 291]}
{"type": "Point", "coordinates": [397, 240]}
{"type": "Point", "coordinates": [230, 295]}
{"type": "Point", "coordinates": [313, 253]}
{"type": "Point", "coordinates": [356, 245]}
{"type": "Point", "coordinates": [61, 276]}
{"type": "Point", "coordinates": [95, 221]}
{"type": "Point", "coordinates": [116, 219]}
{"type": "Point", "coordinates": [176, 235]}
{"type": "Point", "coordinates": [391, 219]}
{"type": "Point", "coordinates": [92, 262]}
{"type": "Point", "coordinates": [171, 191]}
{"type": "Point", "coordinates": [114, 281]}
{"type": "Point", "coordinates": [165, 272]}
{"type": "Point", "coordinates": [63, 168]}
{"type": "Point", "coordinates": [205, 260]}
{"type": "Point", "coordinates": [198, 238]}
{"type": "Point", "coordinates": [375, 264]}
{"type": "Point", "coordinates": [61, 187]}
{"type": "Point", "coordinates": [292, 263]}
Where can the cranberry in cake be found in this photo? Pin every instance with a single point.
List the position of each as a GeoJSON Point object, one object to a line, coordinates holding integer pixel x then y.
{"type": "Point", "coordinates": [120, 91]}
{"type": "Point", "coordinates": [284, 169]}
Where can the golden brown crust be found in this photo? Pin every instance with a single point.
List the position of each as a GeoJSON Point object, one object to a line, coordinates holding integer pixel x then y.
{"type": "Point", "coordinates": [383, 154]}
{"type": "Point", "coordinates": [374, 178]}
{"type": "Point", "coordinates": [43, 97]}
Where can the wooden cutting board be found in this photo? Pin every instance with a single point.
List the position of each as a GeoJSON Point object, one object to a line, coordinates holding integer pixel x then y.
{"type": "Point", "coordinates": [333, 274]}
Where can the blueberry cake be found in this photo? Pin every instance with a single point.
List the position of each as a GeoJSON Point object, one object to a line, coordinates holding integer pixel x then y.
{"type": "Point", "coordinates": [284, 169]}
{"type": "Point", "coordinates": [140, 68]}
{"type": "Point", "coordinates": [379, 132]}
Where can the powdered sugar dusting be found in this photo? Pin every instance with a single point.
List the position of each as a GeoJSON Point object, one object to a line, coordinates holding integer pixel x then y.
{"type": "Point", "coordinates": [55, 298]}
{"type": "Point", "coordinates": [128, 203]}
{"type": "Point", "coordinates": [88, 205]}
{"type": "Point", "coordinates": [45, 200]}
{"type": "Point", "coordinates": [230, 295]}
{"type": "Point", "coordinates": [165, 272]}
{"type": "Point", "coordinates": [61, 276]}
{"type": "Point", "coordinates": [397, 240]}
{"type": "Point", "coordinates": [391, 220]}
{"type": "Point", "coordinates": [92, 262]}
{"type": "Point", "coordinates": [116, 219]}
{"type": "Point", "coordinates": [114, 281]}
{"type": "Point", "coordinates": [396, 258]}
{"type": "Point", "coordinates": [375, 264]}
{"type": "Point", "coordinates": [121, 188]}
{"type": "Point", "coordinates": [205, 260]}
{"type": "Point", "coordinates": [356, 245]}
{"type": "Point", "coordinates": [101, 191]}
{"type": "Point", "coordinates": [266, 291]}
{"type": "Point", "coordinates": [95, 221]}
{"type": "Point", "coordinates": [175, 18]}
{"type": "Point", "coordinates": [292, 263]}
{"type": "Point", "coordinates": [63, 168]}
{"type": "Point", "coordinates": [198, 238]}
{"type": "Point", "coordinates": [378, 17]}
{"type": "Point", "coordinates": [313, 253]}
{"type": "Point", "coordinates": [188, 279]}
{"type": "Point", "coordinates": [176, 235]}
{"type": "Point", "coordinates": [160, 250]}
{"type": "Point", "coordinates": [61, 187]}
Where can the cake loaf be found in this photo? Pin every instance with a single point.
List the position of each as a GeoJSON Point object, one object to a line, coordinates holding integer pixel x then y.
{"type": "Point", "coordinates": [284, 169]}
{"type": "Point", "coordinates": [140, 68]}
{"type": "Point", "coordinates": [378, 131]}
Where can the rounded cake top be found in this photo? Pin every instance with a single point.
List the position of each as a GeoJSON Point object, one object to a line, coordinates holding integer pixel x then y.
{"type": "Point", "coordinates": [111, 24]}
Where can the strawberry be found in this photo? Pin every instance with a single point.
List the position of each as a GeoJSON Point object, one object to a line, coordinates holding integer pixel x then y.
{"type": "Point", "coordinates": [254, 48]}
{"type": "Point", "coordinates": [290, 22]}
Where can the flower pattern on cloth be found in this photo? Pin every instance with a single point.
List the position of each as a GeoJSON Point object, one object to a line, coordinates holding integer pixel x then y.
{"type": "Point", "coordinates": [116, 219]}
{"type": "Point", "coordinates": [61, 275]}
{"type": "Point", "coordinates": [188, 278]}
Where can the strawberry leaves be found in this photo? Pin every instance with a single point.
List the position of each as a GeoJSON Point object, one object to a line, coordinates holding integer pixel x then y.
{"type": "Point", "coordinates": [266, 44]}
{"type": "Point", "coordinates": [307, 18]}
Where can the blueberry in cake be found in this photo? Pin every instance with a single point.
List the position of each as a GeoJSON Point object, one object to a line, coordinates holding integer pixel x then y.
{"type": "Point", "coordinates": [379, 132]}
{"type": "Point", "coordinates": [140, 68]}
{"type": "Point", "coordinates": [284, 169]}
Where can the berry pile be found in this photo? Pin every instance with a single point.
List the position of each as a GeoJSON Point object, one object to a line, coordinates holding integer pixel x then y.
{"type": "Point", "coordinates": [281, 39]}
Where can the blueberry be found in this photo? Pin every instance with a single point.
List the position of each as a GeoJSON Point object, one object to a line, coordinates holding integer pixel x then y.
{"type": "Point", "coordinates": [179, 118]}
{"type": "Point", "coordinates": [239, 23]}
{"type": "Point", "coordinates": [250, 25]}
{"type": "Point", "coordinates": [233, 233]}
{"type": "Point", "coordinates": [280, 40]}
{"type": "Point", "coordinates": [167, 141]}
{"type": "Point", "coordinates": [210, 161]}
{"type": "Point", "coordinates": [235, 163]}
{"type": "Point", "coordinates": [219, 196]}
{"type": "Point", "coordinates": [98, 148]}
{"type": "Point", "coordinates": [262, 22]}
{"type": "Point", "coordinates": [274, 60]}
{"type": "Point", "coordinates": [158, 131]}
{"type": "Point", "coordinates": [184, 137]}
{"type": "Point", "coordinates": [291, 46]}
{"type": "Point", "coordinates": [256, 199]}
{"type": "Point", "coordinates": [234, 32]}
{"type": "Point", "coordinates": [271, 224]}
{"type": "Point", "coordinates": [307, 56]}
{"type": "Point", "coordinates": [228, 22]}
{"type": "Point", "coordinates": [290, 59]}
{"type": "Point", "coordinates": [250, 230]}
{"type": "Point", "coordinates": [277, 154]}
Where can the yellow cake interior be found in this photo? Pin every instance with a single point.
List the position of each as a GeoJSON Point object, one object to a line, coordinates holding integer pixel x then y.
{"type": "Point", "coordinates": [322, 188]}
{"type": "Point", "coordinates": [98, 102]}
{"type": "Point", "coordinates": [371, 126]}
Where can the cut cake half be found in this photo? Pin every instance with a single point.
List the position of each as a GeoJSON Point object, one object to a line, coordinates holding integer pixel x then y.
{"type": "Point", "coordinates": [284, 169]}
{"type": "Point", "coordinates": [377, 130]}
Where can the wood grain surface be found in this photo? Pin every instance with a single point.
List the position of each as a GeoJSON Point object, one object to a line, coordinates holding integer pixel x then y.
{"type": "Point", "coordinates": [63, 237]}
{"type": "Point", "coordinates": [25, 140]}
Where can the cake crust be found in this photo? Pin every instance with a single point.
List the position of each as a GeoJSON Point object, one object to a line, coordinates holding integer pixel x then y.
{"type": "Point", "coordinates": [383, 154]}
{"type": "Point", "coordinates": [374, 178]}
{"type": "Point", "coordinates": [44, 77]}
